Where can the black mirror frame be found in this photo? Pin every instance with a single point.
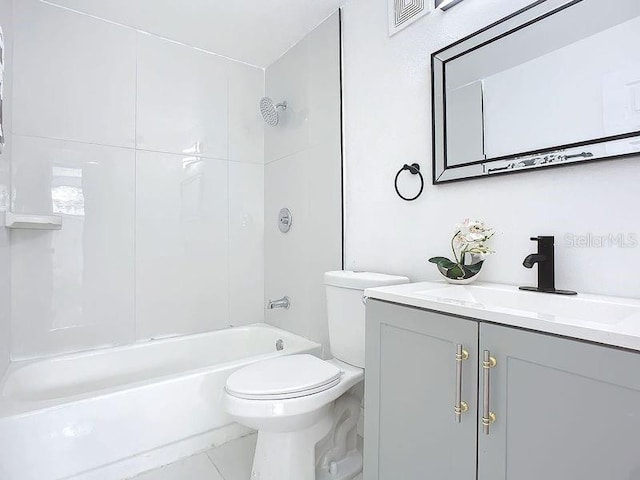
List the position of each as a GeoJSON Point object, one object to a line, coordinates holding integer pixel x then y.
{"type": "Point", "coordinates": [556, 156]}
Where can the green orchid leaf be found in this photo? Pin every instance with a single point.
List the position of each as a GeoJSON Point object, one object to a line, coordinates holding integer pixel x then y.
{"type": "Point", "coordinates": [437, 260]}
{"type": "Point", "coordinates": [455, 272]}
{"type": "Point", "coordinates": [475, 268]}
{"type": "Point", "coordinates": [447, 264]}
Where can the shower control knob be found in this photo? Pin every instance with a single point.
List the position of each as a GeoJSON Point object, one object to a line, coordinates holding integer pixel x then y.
{"type": "Point", "coordinates": [285, 220]}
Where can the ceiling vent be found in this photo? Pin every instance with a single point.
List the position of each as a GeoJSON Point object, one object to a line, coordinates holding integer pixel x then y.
{"type": "Point", "coordinates": [403, 13]}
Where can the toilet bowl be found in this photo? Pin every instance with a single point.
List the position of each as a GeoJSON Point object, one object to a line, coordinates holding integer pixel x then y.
{"type": "Point", "coordinates": [300, 405]}
{"type": "Point", "coordinates": [294, 417]}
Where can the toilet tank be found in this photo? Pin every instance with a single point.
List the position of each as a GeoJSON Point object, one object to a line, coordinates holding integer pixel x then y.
{"type": "Point", "coordinates": [346, 311]}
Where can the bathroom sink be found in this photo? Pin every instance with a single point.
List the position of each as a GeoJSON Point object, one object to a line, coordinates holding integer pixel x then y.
{"type": "Point", "coordinates": [608, 320]}
{"type": "Point", "coordinates": [543, 305]}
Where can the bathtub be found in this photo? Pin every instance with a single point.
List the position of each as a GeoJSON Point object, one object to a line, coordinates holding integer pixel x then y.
{"type": "Point", "coordinates": [102, 414]}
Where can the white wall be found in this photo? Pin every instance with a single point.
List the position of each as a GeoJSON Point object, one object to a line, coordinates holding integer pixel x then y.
{"type": "Point", "coordinates": [5, 180]}
{"type": "Point", "coordinates": [388, 123]}
{"type": "Point", "coordinates": [153, 153]}
{"type": "Point", "coordinates": [302, 173]}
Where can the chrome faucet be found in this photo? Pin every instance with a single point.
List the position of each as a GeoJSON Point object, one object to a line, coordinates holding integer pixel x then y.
{"type": "Point", "coordinates": [545, 258]}
{"type": "Point", "coordinates": [280, 303]}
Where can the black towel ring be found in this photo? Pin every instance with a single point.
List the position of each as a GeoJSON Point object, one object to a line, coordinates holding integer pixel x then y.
{"type": "Point", "coordinates": [414, 169]}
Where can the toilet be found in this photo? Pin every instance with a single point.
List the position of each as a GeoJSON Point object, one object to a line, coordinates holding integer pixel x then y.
{"type": "Point", "coordinates": [300, 404]}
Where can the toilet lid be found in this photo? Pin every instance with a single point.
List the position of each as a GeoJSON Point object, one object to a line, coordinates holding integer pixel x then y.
{"type": "Point", "coordinates": [284, 377]}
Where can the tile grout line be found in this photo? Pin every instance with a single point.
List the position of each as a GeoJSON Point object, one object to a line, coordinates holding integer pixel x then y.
{"type": "Point", "coordinates": [292, 154]}
{"type": "Point", "coordinates": [120, 147]}
{"type": "Point", "coordinates": [69, 140]}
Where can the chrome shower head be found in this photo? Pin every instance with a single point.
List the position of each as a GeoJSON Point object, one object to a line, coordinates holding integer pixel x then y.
{"type": "Point", "coordinates": [269, 110]}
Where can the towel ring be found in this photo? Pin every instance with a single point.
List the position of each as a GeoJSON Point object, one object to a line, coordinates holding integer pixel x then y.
{"type": "Point", "coordinates": [414, 169]}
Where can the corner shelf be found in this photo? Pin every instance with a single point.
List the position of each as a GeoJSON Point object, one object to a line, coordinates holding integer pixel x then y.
{"type": "Point", "coordinates": [32, 222]}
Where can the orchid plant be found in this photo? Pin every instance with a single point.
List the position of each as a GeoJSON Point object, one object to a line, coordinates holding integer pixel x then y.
{"type": "Point", "coordinates": [469, 247]}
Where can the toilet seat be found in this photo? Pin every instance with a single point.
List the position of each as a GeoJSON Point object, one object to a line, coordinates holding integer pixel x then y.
{"type": "Point", "coordinates": [284, 378]}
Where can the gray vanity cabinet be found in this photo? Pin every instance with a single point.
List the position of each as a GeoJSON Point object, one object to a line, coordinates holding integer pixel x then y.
{"type": "Point", "coordinates": [552, 408]}
{"type": "Point", "coordinates": [564, 409]}
{"type": "Point", "coordinates": [411, 430]}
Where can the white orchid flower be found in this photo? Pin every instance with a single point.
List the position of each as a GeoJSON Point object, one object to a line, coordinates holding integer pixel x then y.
{"type": "Point", "coordinates": [470, 239]}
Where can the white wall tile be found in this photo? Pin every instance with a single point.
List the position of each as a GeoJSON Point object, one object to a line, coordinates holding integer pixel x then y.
{"type": "Point", "coordinates": [83, 83]}
{"type": "Point", "coordinates": [6, 14]}
{"type": "Point", "coordinates": [324, 243]}
{"type": "Point", "coordinates": [246, 243]}
{"type": "Point", "coordinates": [255, 32]}
{"type": "Point", "coordinates": [5, 296]}
{"type": "Point", "coordinates": [308, 182]}
{"type": "Point", "coordinates": [74, 76]}
{"type": "Point", "coordinates": [181, 245]}
{"type": "Point", "coordinates": [182, 104]}
{"type": "Point", "coordinates": [5, 185]}
{"type": "Point", "coordinates": [73, 288]}
{"type": "Point", "coordinates": [288, 80]}
{"type": "Point", "coordinates": [324, 168]}
{"type": "Point", "coordinates": [308, 78]}
{"type": "Point", "coordinates": [324, 98]}
{"type": "Point", "coordinates": [285, 254]}
{"type": "Point", "coordinates": [246, 127]}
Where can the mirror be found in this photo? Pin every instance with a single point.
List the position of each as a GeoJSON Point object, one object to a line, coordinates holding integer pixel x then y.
{"type": "Point", "coordinates": [554, 84]}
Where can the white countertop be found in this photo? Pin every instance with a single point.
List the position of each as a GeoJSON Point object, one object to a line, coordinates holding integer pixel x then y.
{"type": "Point", "coordinates": [608, 320]}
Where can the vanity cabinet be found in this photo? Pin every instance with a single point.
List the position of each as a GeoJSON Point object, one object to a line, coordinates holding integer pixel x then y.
{"type": "Point", "coordinates": [564, 409]}
{"type": "Point", "coordinates": [411, 430]}
{"type": "Point", "coordinates": [553, 408]}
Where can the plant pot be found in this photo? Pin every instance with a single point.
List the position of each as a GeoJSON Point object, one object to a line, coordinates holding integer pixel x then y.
{"type": "Point", "coordinates": [469, 276]}
{"type": "Point", "coordinates": [456, 281]}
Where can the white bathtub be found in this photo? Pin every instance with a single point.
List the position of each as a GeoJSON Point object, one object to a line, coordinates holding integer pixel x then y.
{"type": "Point", "coordinates": [67, 416]}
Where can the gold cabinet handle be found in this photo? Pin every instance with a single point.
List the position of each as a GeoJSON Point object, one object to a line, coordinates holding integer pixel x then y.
{"type": "Point", "coordinates": [488, 417]}
{"type": "Point", "coordinates": [486, 421]}
{"type": "Point", "coordinates": [460, 406]}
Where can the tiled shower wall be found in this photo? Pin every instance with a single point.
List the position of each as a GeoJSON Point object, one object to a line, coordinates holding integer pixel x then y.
{"type": "Point", "coordinates": [153, 153]}
{"type": "Point", "coordinates": [5, 179]}
{"type": "Point", "coordinates": [303, 173]}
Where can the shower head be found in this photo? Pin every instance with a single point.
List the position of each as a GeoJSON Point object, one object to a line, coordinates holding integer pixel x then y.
{"type": "Point", "coordinates": [269, 110]}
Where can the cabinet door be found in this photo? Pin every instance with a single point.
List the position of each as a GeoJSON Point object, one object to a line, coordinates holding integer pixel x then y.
{"type": "Point", "coordinates": [411, 431]}
{"type": "Point", "coordinates": [564, 409]}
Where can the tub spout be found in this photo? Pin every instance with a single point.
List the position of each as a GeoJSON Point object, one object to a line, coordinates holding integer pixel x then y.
{"type": "Point", "coordinates": [280, 303]}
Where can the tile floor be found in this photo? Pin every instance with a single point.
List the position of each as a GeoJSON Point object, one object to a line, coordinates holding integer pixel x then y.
{"type": "Point", "coordinates": [231, 461]}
